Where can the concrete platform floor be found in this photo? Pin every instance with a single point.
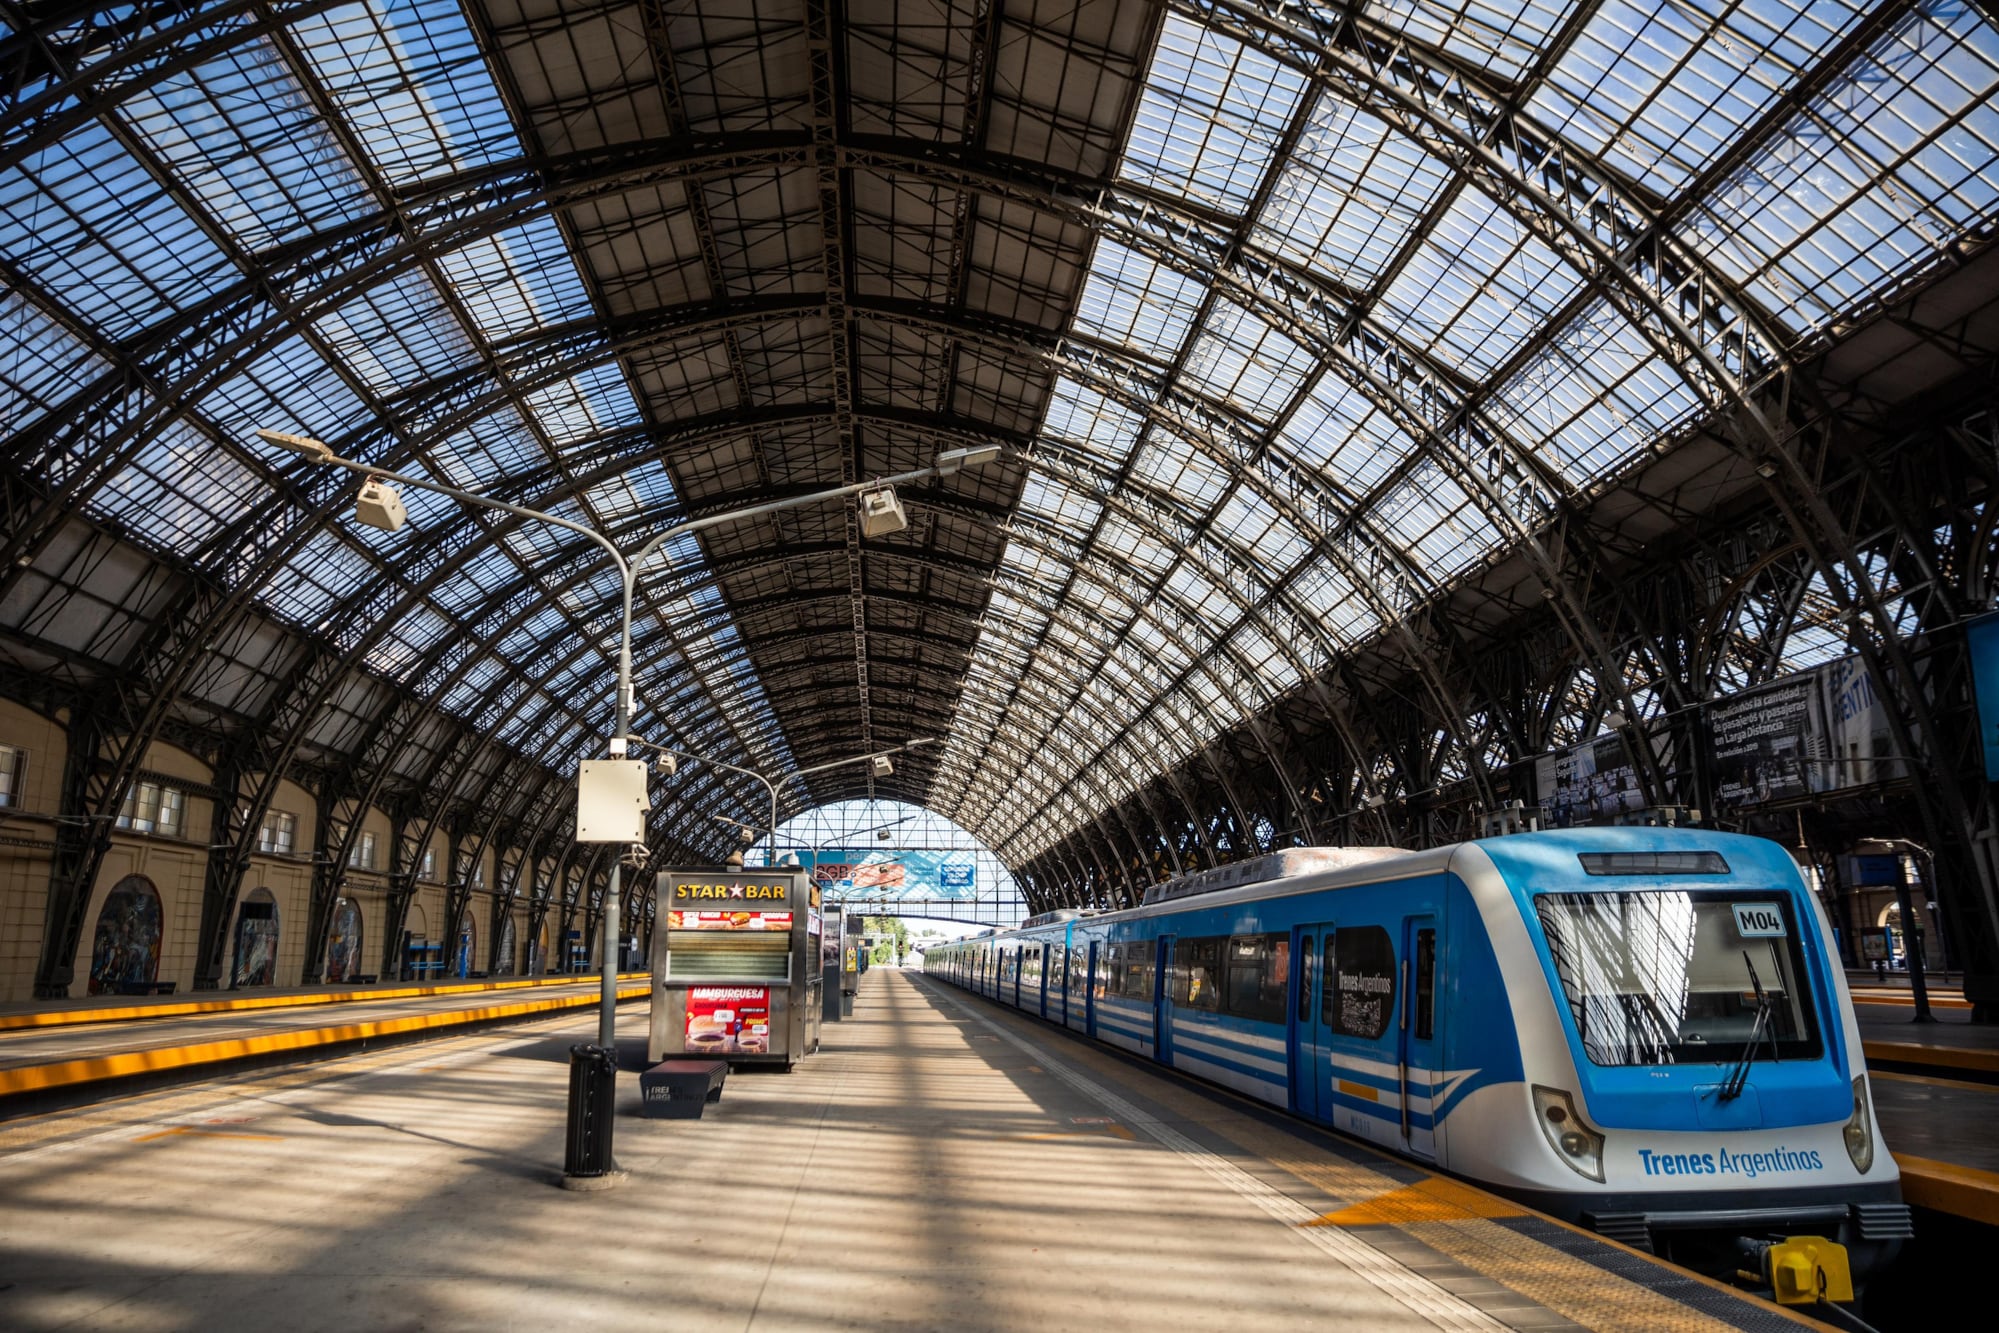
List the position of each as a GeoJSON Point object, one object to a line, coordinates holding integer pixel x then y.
{"type": "Point", "coordinates": [939, 1166]}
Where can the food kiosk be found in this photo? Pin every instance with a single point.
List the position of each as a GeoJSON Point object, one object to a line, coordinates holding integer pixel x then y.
{"type": "Point", "coordinates": [735, 974]}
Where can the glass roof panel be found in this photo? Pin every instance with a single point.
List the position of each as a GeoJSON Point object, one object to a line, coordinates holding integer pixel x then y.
{"type": "Point", "coordinates": [594, 401]}
{"type": "Point", "coordinates": [243, 137]}
{"type": "Point", "coordinates": [1170, 463]}
{"type": "Point", "coordinates": [1479, 285]}
{"type": "Point", "coordinates": [41, 363]}
{"type": "Point", "coordinates": [1887, 167]}
{"type": "Point", "coordinates": [90, 225]}
{"type": "Point", "coordinates": [181, 490]}
{"type": "Point", "coordinates": [413, 84]}
{"type": "Point", "coordinates": [1088, 418]}
{"type": "Point", "coordinates": [1210, 118]}
{"type": "Point", "coordinates": [517, 281]}
{"type": "Point", "coordinates": [1339, 429]}
{"type": "Point", "coordinates": [1658, 88]}
{"type": "Point", "coordinates": [398, 334]}
{"type": "Point", "coordinates": [1243, 361]}
{"type": "Point", "coordinates": [1350, 196]}
{"type": "Point", "coordinates": [1133, 301]}
{"type": "Point", "coordinates": [1504, 36]}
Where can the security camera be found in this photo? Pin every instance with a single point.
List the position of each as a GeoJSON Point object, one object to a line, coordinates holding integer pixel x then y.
{"type": "Point", "coordinates": [666, 765]}
{"type": "Point", "coordinates": [882, 767]}
{"type": "Point", "coordinates": [379, 506]}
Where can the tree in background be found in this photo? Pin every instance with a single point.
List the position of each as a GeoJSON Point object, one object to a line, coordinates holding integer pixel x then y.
{"type": "Point", "coordinates": [891, 936]}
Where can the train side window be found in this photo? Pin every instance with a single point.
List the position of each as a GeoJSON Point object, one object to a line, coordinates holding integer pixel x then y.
{"type": "Point", "coordinates": [1365, 982]}
{"type": "Point", "coordinates": [1329, 969]}
{"type": "Point", "coordinates": [1305, 978]}
{"type": "Point", "coordinates": [1426, 984]}
{"type": "Point", "coordinates": [1256, 972]}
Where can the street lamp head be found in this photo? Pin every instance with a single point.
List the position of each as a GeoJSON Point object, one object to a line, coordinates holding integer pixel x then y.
{"type": "Point", "coordinates": [882, 513]}
{"type": "Point", "coordinates": [380, 506]}
{"type": "Point", "coordinates": [303, 445]}
{"type": "Point", "coordinates": [952, 461]}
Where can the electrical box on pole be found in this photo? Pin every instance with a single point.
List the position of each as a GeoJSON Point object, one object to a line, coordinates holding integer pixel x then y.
{"type": "Point", "coordinates": [611, 800]}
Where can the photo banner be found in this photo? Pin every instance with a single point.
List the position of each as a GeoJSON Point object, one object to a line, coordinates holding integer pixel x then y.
{"type": "Point", "coordinates": [852, 872]}
{"type": "Point", "coordinates": [1981, 637]}
{"type": "Point", "coordinates": [1862, 738]}
{"type": "Point", "coordinates": [1593, 783]}
{"type": "Point", "coordinates": [1768, 743]}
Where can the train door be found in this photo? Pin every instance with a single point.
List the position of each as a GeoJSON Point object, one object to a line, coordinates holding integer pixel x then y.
{"type": "Point", "coordinates": [1162, 1003]}
{"type": "Point", "coordinates": [1019, 957]}
{"type": "Point", "coordinates": [1311, 1014]}
{"type": "Point", "coordinates": [1417, 1042]}
{"type": "Point", "coordinates": [1049, 952]}
{"type": "Point", "coordinates": [1090, 992]}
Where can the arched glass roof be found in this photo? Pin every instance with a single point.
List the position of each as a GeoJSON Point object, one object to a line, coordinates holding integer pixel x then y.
{"type": "Point", "coordinates": [1291, 318]}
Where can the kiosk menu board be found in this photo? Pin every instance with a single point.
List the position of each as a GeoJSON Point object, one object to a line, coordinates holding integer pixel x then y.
{"type": "Point", "coordinates": [735, 974]}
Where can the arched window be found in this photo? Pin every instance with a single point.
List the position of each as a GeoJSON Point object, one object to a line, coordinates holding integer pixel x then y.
{"type": "Point", "coordinates": [256, 941]}
{"type": "Point", "coordinates": [126, 950]}
{"type": "Point", "coordinates": [343, 942]}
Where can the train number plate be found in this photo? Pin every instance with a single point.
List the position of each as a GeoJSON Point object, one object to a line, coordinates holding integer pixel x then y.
{"type": "Point", "coordinates": [1758, 920]}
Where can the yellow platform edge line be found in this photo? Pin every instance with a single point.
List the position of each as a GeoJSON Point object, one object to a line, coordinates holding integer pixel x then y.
{"type": "Point", "coordinates": [1948, 1057]}
{"type": "Point", "coordinates": [32, 1078]}
{"type": "Point", "coordinates": [1962, 1191]}
{"type": "Point", "coordinates": [183, 1008]}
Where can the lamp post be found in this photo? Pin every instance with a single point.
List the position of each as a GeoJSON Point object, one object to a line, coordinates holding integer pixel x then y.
{"type": "Point", "coordinates": [770, 855]}
{"type": "Point", "coordinates": [378, 505]}
{"type": "Point", "coordinates": [1912, 931]}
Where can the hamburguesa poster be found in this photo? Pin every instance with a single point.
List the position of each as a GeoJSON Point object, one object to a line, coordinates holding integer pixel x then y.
{"type": "Point", "coordinates": [1769, 743]}
{"type": "Point", "coordinates": [728, 1020]}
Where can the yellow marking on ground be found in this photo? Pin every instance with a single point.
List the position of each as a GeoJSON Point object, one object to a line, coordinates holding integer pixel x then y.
{"type": "Point", "coordinates": [1437, 1199]}
{"type": "Point", "coordinates": [1945, 1057]}
{"type": "Point", "coordinates": [1908, 1001]}
{"type": "Point", "coordinates": [1115, 1131]}
{"type": "Point", "coordinates": [1932, 1081]}
{"type": "Point", "coordinates": [1963, 1191]}
{"type": "Point", "coordinates": [1573, 1288]}
{"type": "Point", "coordinates": [52, 1018]}
{"type": "Point", "coordinates": [1360, 1090]}
{"type": "Point", "coordinates": [31, 1078]}
{"type": "Point", "coordinates": [192, 1132]}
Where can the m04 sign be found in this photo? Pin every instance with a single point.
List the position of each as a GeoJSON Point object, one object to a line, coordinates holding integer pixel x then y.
{"type": "Point", "coordinates": [1755, 921]}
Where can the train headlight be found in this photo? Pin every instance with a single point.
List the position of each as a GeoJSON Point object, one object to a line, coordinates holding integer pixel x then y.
{"type": "Point", "coordinates": [1571, 1138]}
{"type": "Point", "coordinates": [1859, 1131]}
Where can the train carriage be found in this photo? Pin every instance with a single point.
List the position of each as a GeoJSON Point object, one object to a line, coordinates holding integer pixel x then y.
{"type": "Point", "coordinates": [1642, 1030]}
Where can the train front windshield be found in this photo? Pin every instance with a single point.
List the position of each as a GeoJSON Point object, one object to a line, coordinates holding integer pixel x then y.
{"type": "Point", "coordinates": [1659, 977]}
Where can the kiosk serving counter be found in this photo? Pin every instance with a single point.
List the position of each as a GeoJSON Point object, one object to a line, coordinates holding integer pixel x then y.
{"type": "Point", "coordinates": [735, 974]}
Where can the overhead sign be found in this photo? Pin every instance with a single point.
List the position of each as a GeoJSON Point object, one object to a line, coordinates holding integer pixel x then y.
{"type": "Point", "coordinates": [908, 874]}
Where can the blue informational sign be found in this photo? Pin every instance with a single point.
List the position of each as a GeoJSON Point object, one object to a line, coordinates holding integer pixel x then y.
{"type": "Point", "coordinates": [913, 875]}
{"type": "Point", "coordinates": [1981, 636]}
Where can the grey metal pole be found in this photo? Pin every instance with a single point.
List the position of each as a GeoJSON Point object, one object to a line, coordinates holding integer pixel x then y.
{"type": "Point", "coordinates": [607, 1000]}
{"type": "Point", "coordinates": [1912, 944]}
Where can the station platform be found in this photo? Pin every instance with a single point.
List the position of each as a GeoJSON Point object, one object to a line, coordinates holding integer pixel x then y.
{"type": "Point", "coordinates": [64, 1045]}
{"type": "Point", "coordinates": [938, 1165]}
{"type": "Point", "coordinates": [1936, 1089]}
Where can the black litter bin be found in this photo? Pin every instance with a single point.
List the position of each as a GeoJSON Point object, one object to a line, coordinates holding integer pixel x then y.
{"type": "Point", "coordinates": [593, 1091]}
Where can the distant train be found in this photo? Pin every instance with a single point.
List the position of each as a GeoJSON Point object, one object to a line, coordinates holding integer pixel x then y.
{"type": "Point", "coordinates": [1642, 1030]}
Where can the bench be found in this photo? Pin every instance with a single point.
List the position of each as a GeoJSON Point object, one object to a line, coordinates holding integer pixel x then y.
{"type": "Point", "coordinates": [146, 987]}
{"type": "Point", "coordinates": [680, 1089]}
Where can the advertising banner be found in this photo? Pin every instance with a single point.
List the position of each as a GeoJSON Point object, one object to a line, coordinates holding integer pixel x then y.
{"type": "Point", "coordinates": [1863, 743]}
{"type": "Point", "coordinates": [1981, 637]}
{"type": "Point", "coordinates": [907, 874]}
{"type": "Point", "coordinates": [1593, 783]}
{"type": "Point", "coordinates": [1766, 741]}
{"type": "Point", "coordinates": [724, 1020]}
{"type": "Point", "coordinates": [728, 921]}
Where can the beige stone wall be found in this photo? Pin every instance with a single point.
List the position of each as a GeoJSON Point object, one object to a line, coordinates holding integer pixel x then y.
{"type": "Point", "coordinates": [27, 834]}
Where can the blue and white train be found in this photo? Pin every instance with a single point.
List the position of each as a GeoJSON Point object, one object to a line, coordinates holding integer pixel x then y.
{"type": "Point", "coordinates": [1642, 1030]}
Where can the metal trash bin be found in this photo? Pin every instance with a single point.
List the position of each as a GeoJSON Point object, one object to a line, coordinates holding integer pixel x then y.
{"type": "Point", "coordinates": [593, 1092]}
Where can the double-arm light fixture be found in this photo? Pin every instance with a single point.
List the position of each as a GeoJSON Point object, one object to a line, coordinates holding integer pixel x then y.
{"type": "Point", "coordinates": [380, 505]}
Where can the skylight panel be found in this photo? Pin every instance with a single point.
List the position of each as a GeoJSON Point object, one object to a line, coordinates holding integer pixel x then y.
{"type": "Point", "coordinates": [1595, 396]}
{"type": "Point", "coordinates": [290, 387]}
{"type": "Point", "coordinates": [1324, 590]}
{"type": "Point", "coordinates": [1086, 417]}
{"type": "Point", "coordinates": [1891, 164]}
{"type": "Point", "coordinates": [1247, 523]}
{"type": "Point", "coordinates": [492, 449]}
{"type": "Point", "coordinates": [1504, 36]}
{"type": "Point", "coordinates": [400, 646]}
{"type": "Point", "coordinates": [1353, 191]}
{"type": "Point", "coordinates": [1428, 516]}
{"type": "Point", "coordinates": [595, 401]}
{"type": "Point", "coordinates": [1171, 464]}
{"type": "Point", "coordinates": [398, 335]}
{"type": "Point", "coordinates": [464, 696]}
{"type": "Point", "coordinates": [1210, 117]}
{"type": "Point", "coordinates": [92, 228]}
{"type": "Point", "coordinates": [1658, 88]}
{"type": "Point", "coordinates": [325, 571]}
{"type": "Point", "coordinates": [1135, 302]}
{"type": "Point", "coordinates": [1061, 506]}
{"type": "Point", "coordinates": [413, 84]}
{"type": "Point", "coordinates": [181, 490]}
{"type": "Point", "coordinates": [41, 363]}
{"type": "Point", "coordinates": [1242, 360]}
{"type": "Point", "coordinates": [517, 281]}
{"type": "Point", "coordinates": [1479, 285]}
{"type": "Point", "coordinates": [243, 138]}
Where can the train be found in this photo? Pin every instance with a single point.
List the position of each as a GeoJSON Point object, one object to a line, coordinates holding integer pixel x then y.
{"type": "Point", "coordinates": [1642, 1031]}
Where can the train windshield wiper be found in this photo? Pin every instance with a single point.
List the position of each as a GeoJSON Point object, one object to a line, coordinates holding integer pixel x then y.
{"type": "Point", "coordinates": [1738, 1074]}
